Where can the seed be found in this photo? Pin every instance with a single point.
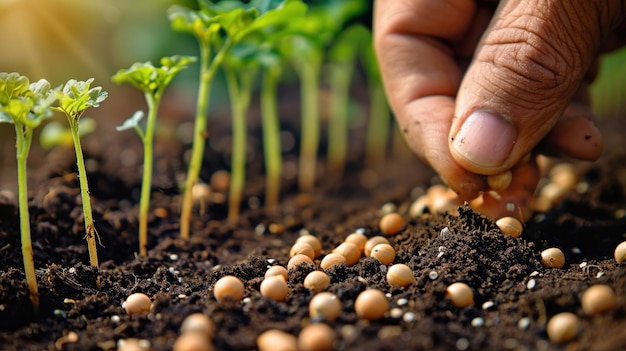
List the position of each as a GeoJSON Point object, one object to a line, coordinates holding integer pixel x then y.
{"type": "Point", "coordinates": [313, 241]}
{"type": "Point", "coordinates": [132, 344]}
{"type": "Point", "coordinates": [275, 288]}
{"type": "Point", "coordinates": [598, 299]}
{"type": "Point", "coordinates": [316, 337]}
{"type": "Point", "coordinates": [220, 181]}
{"type": "Point", "coordinates": [298, 260]}
{"type": "Point", "coordinates": [460, 294]}
{"type": "Point", "coordinates": [391, 223]}
{"type": "Point", "coordinates": [620, 252]}
{"type": "Point", "coordinates": [371, 304]}
{"type": "Point", "coordinates": [302, 248]}
{"type": "Point", "coordinates": [562, 327]}
{"type": "Point", "coordinates": [137, 303]}
{"type": "Point", "coordinates": [499, 182]}
{"type": "Point", "coordinates": [552, 258]}
{"type": "Point", "coordinates": [350, 252]}
{"type": "Point", "coordinates": [198, 322]}
{"type": "Point", "coordinates": [510, 226]}
{"type": "Point", "coordinates": [193, 341]}
{"type": "Point", "coordinates": [447, 201]}
{"type": "Point", "coordinates": [201, 193]}
{"type": "Point", "coordinates": [400, 275]}
{"type": "Point", "coordinates": [275, 340]}
{"type": "Point", "coordinates": [325, 306]}
{"type": "Point", "coordinates": [357, 239]}
{"type": "Point", "coordinates": [332, 259]}
{"type": "Point", "coordinates": [373, 241]}
{"type": "Point", "coordinates": [228, 288]}
{"type": "Point", "coordinates": [419, 206]}
{"type": "Point", "coordinates": [564, 175]}
{"type": "Point", "coordinates": [277, 270]}
{"type": "Point", "coordinates": [384, 253]}
{"type": "Point", "coordinates": [316, 281]}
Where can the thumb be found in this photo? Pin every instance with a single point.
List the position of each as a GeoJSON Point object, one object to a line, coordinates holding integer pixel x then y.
{"type": "Point", "coordinates": [529, 64]}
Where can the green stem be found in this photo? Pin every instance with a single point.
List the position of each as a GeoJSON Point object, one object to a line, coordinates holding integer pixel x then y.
{"type": "Point", "coordinates": [148, 160]}
{"type": "Point", "coordinates": [271, 136]}
{"type": "Point", "coordinates": [24, 137]}
{"type": "Point", "coordinates": [340, 78]}
{"type": "Point", "coordinates": [310, 126]}
{"type": "Point", "coordinates": [208, 69]}
{"type": "Point", "coordinates": [90, 229]}
{"type": "Point", "coordinates": [378, 128]}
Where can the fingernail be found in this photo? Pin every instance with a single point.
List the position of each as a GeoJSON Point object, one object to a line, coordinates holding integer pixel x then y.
{"type": "Point", "coordinates": [486, 140]}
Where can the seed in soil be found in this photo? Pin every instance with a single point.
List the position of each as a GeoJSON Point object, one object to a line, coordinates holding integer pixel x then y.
{"type": "Point", "coordinates": [350, 252]}
{"type": "Point", "coordinates": [371, 304]}
{"type": "Point", "coordinates": [137, 303]}
{"type": "Point", "coordinates": [620, 252]}
{"type": "Point", "coordinates": [499, 182]}
{"type": "Point", "coordinates": [298, 260]}
{"type": "Point", "coordinates": [312, 240]}
{"type": "Point", "coordinates": [325, 306]}
{"type": "Point", "coordinates": [598, 299]}
{"type": "Point", "coordinates": [563, 327]}
{"type": "Point", "coordinates": [510, 226]}
{"type": "Point", "coordinates": [302, 248]}
{"type": "Point", "coordinates": [460, 295]}
{"type": "Point", "coordinates": [274, 339]}
{"type": "Point", "coordinates": [198, 322]}
{"type": "Point", "coordinates": [316, 281]}
{"type": "Point", "coordinates": [133, 344]}
{"type": "Point", "coordinates": [193, 341]}
{"type": "Point", "coordinates": [277, 270]}
{"type": "Point", "coordinates": [275, 288]}
{"type": "Point", "coordinates": [552, 258]}
{"type": "Point", "coordinates": [316, 337]}
{"type": "Point", "coordinates": [357, 239]}
{"type": "Point", "coordinates": [384, 253]}
{"type": "Point", "coordinates": [332, 259]}
{"type": "Point", "coordinates": [391, 223]}
{"type": "Point", "coordinates": [373, 241]}
{"type": "Point", "coordinates": [228, 288]}
{"type": "Point", "coordinates": [400, 275]}
{"type": "Point", "coordinates": [220, 181]}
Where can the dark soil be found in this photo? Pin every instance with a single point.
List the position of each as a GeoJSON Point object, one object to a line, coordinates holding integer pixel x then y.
{"type": "Point", "coordinates": [178, 275]}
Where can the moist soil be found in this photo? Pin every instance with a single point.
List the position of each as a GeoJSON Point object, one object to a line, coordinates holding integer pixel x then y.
{"type": "Point", "coordinates": [514, 294]}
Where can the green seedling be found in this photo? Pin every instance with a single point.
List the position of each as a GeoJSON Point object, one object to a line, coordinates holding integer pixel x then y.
{"type": "Point", "coordinates": [152, 81]}
{"type": "Point", "coordinates": [74, 99]}
{"type": "Point", "coordinates": [25, 105]}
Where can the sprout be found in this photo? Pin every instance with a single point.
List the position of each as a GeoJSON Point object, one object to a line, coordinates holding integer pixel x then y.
{"type": "Point", "coordinates": [325, 306]}
{"type": "Point", "coordinates": [350, 252]}
{"type": "Point", "coordinates": [563, 327]}
{"type": "Point", "coordinates": [510, 226]}
{"type": "Point", "coordinates": [274, 339]}
{"type": "Point", "coordinates": [373, 241]}
{"type": "Point", "coordinates": [302, 248]}
{"type": "Point", "coordinates": [460, 295]}
{"type": "Point", "coordinates": [371, 304]}
{"type": "Point", "coordinates": [228, 288]}
{"type": "Point", "coordinates": [331, 260]}
{"type": "Point", "coordinates": [277, 270]}
{"type": "Point", "coordinates": [316, 281]}
{"type": "Point", "coordinates": [137, 303]}
{"type": "Point", "coordinates": [620, 252]}
{"type": "Point", "coordinates": [317, 337]}
{"type": "Point", "coordinates": [391, 223]}
{"type": "Point", "coordinates": [500, 182]}
{"type": "Point", "coordinates": [598, 299]}
{"type": "Point", "coordinates": [198, 323]}
{"type": "Point", "coordinates": [400, 275]}
{"type": "Point", "coordinates": [552, 258]}
{"type": "Point", "coordinates": [384, 253]}
{"type": "Point", "coordinates": [275, 288]}
{"type": "Point", "coordinates": [298, 260]}
{"type": "Point", "coordinates": [313, 241]}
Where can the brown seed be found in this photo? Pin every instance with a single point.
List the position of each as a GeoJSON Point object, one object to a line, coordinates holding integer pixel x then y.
{"type": "Point", "coordinates": [137, 303]}
{"type": "Point", "coordinates": [313, 241]}
{"type": "Point", "coordinates": [302, 248]}
{"type": "Point", "coordinates": [449, 201]}
{"type": "Point", "coordinates": [193, 341]}
{"type": "Point", "coordinates": [276, 340]}
{"type": "Point", "coordinates": [298, 260]}
{"type": "Point", "coordinates": [419, 206]}
{"type": "Point", "coordinates": [371, 304]}
{"type": "Point", "coordinates": [357, 239]}
{"type": "Point", "coordinates": [564, 175]}
{"type": "Point", "coordinates": [220, 181]}
{"type": "Point", "coordinates": [400, 275]}
{"type": "Point", "coordinates": [391, 223]}
{"type": "Point", "coordinates": [275, 288]}
{"type": "Point", "coordinates": [325, 306]}
{"type": "Point", "coordinates": [373, 241]}
{"type": "Point", "coordinates": [316, 281]}
{"type": "Point", "coordinates": [552, 258]}
{"type": "Point", "coordinates": [460, 295]}
{"type": "Point", "coordinates": [316, 337]}
{"type": "Point", "coordinates": [510, 226]}
{"type": "Point", "coordinates": [620, 252]}
{"type": "Point", "coordinates": [228, 288]}
{"type": "Point", "coordinates": [384, 253]}
{"type": "Point", "coordinates": [332, 259]}
{"type": "Point", "coordinates": [198, 322]}
{"type": "Point", "coordinates": [277, 270]}
{"type": "Point", "coordinates": [598, 299]}
{"type": "Point", "coordinates": [563, 327]}
{"type": "Point", "coordinates": [499, 182]}
{"type": "Point", "coordinates": [350, 252]}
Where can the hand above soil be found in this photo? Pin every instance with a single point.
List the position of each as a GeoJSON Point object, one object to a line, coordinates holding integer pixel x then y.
{"type": "Point", "coordinates": [480, 88]}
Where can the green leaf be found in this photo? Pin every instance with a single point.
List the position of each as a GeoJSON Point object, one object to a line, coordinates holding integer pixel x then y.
{"type": "Point", "coordinates": [77, 96]}
{"type": "Point", "coordinates": [132, 122]}
{"type": "Point", "coordinates": [24, 103]}
{"type": "Point", "coordinates": [12, 85]}
{"type": "Point", "coordinates": [150, 79]}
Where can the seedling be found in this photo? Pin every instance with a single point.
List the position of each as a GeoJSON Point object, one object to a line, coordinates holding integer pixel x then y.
{"type": "Point", "coordinates": [75, 98]}
{"type": "Point", "coordinates": [152, 81]}
{"type": "Point", "coordinates": [25, 105]}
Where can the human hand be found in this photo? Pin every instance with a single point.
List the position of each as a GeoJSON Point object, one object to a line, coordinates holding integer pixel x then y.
{"type": "Point", "coordinates": [479, 91]}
